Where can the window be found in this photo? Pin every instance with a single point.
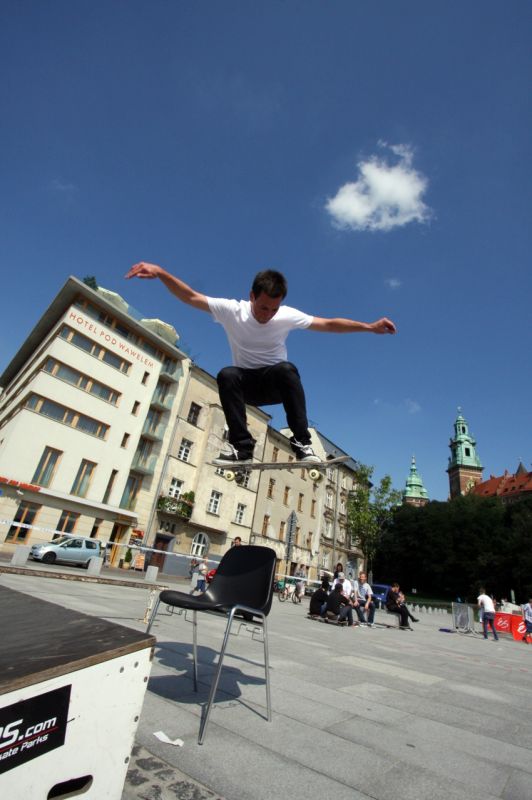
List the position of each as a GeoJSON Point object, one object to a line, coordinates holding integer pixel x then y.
{"type": "Point", "coordinates": [26, 513]}
{"type": "Point", "coordinates": [313, 508]}
{"type": "Point", "coordinates": [81, 381]}
{"type": "Point", "coordinates": [275, 454]}
{"type": "Point", "coordinates": [174, 490]}
{"type": "Point", "coordinates": [95, 528]}
{"type": "Point", "coordinates": [240, 513]}
{"type": "Point", "coordinates": [300, 501]}
{"type": "Point", "coordinates": [200, 545]}
{"type": "Point", "coordinates": [184, 450]}
{"type": "Point", "coordinates": [297, 535]}
{"type": "Point", "coordinates": [342, 506]}
{"type": "Point", "coordinates": [265, 524]}
{"type": "Point", "coordinates": [145, 377]}
{"type": "Point", "coordinates": [215, 502]}
{"type": "Point", "coordinates": [327, 528]}
{"type": "Point", "coordinates": [193, 413]}
{"type": "Point", "coordinates": [46, 466]}
{"type": "Point", "coordinates": [286, 495]}
{"type": "Point", "coordinates": [67, 521]}
{"type": "Point", "coordinates": [109, 488]}
{"type": "Point", "coordinates": [271, 487]}
{"type": "Point", "coordinates": [59, 413]}
{"type": "Point", "coordinates": [135, 409]}
{"type": "Point", "coordinates": [125, 440]}
{"type": "Point", "coordinates": [329, 500]}
{"type": "Point", "coordinates": [282, 527]}
{"type": "Point", "coordinates": [80, 487]}
{"type": "Point", "coordinates": [131, 490]}
{"type": "Point", "coordinates": [93, 349]}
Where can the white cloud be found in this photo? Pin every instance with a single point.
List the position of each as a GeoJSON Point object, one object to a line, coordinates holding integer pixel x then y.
{"type": "Point", "coordinates": [412, 406]}
{"type": "Point", "coordinates": [393, 283]}
{"type": "Point", "coordinates": [387, 194]}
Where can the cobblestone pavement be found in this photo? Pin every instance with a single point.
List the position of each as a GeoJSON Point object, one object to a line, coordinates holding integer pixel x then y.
{"type": "Point", "coordinates": [151, 778]}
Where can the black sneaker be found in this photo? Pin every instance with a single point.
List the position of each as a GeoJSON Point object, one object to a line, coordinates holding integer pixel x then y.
{"type": "Point", "coordinates": [231, 455]}
{"type": "Point", "coordinates": [304, 452]}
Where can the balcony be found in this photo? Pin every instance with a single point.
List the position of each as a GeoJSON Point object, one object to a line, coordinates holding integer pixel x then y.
{"type": "Point", "coordinates": [178, 507]}
{"type": "Point", "coordinates": [145, 465]}
{"type": "Point", "coordinates": [171, 371]}
{"type": "Point", "coordinates": [153, 432]}
{"type": "Point", "coordinates": [162, 402]}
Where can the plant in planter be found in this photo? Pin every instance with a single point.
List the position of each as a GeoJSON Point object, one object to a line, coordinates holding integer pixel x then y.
{"type": "Point", "coordinates": [128, 558]}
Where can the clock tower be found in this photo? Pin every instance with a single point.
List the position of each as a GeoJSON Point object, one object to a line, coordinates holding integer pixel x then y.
{"type": "Point", "coordinates": [465, 469]}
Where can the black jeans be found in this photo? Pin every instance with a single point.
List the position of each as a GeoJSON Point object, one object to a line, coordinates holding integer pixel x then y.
{"type": "Point", "coordinates": [403, 613]}
{"type": "Point", "coordinates": [279, 383]}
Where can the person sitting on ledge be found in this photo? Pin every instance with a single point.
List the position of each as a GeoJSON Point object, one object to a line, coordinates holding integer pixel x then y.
{"type": "Point", "coordinates": [318, 601]}
{"type": "Point", "coordinates": [395, 606]}
{"type": "Point", "coordinates": [339, 607]}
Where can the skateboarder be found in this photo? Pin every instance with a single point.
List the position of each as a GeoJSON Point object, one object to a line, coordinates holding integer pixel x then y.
{"type": "Point", "coordinates": [261, 374]}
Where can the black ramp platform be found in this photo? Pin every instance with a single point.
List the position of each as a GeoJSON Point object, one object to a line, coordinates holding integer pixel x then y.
{"type": "Point", "coordinates": [41, 640]}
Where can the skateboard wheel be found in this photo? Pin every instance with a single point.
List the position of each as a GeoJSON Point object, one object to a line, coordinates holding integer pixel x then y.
{"type": "Point", "coordinates": [314, 474]}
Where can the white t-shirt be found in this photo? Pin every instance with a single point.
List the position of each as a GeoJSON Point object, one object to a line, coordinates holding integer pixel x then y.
{"type": "Point", "coordinates": [252, 343]}
{"type": "Point", "coordinates": [347, 589]}
{"type": "Point", "coordinates": [364, 591]}
{"type": "Point", "coordinates": [486, 603]}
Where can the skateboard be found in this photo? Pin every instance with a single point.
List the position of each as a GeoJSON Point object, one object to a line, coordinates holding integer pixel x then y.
{"type": "Point", "coordinates": [239, 469]}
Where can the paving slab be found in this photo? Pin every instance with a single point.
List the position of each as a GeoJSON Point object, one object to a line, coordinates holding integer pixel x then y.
{"type": "Point", "coordinates": [357, 713]}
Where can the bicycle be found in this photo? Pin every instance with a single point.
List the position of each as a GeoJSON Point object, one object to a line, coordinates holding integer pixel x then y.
{"type": "Point", "coordinates": [286, 591]}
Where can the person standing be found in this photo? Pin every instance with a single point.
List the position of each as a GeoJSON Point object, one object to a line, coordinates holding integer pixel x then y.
{"type": "Point", "coordinates": [527, 617]}
{"type": "Point", "coordinates": [487, 606]}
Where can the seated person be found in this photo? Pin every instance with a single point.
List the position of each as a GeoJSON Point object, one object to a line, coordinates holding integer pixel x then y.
{"type": "Point", "coordinates": [363, 600]}
{"type": "Point", "coordinates": [395, 606]}
{"type": "Point", "coordinates": [402, 599]}
{"type": "Point", "coordinates": [339, 606]}
{"type": "Point", "coordinates": [318, 601]}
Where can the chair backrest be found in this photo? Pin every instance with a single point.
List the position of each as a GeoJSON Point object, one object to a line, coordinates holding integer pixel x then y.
{"type": "Point", "coordinates": [244, 575]}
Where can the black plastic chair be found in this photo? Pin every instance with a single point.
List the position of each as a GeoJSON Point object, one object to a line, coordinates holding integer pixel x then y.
{"type": "Point", "coordinates": [243, 588]}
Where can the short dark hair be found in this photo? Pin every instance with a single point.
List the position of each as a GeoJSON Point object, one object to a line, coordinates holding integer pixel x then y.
{"type": "Point", "coordinates": [270, 282]}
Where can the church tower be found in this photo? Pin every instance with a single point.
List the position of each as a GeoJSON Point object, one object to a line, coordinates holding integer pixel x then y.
{"type": "Point", "coordinates": [465, 469]}
{"type": "Point", "coordinates": [415, 493]}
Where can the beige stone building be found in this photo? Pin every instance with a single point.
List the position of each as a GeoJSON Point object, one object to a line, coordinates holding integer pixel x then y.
{"type": "Point", "coordinates": [320, 538]}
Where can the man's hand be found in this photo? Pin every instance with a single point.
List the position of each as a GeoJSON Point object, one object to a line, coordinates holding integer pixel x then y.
{"type": "Point", "coordinates": [144, 270]}
{"type": "Point", "coordinates": [383, 325]}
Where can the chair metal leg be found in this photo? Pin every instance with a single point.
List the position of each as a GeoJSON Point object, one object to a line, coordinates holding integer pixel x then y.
{"type": "Point", "coordinates": [216, 679]}
{"type": "Point", "coordinates": [267, 668]}
{"type": "Point", "coordinates": [214, 684]}
{"type": "Point", "coordinates": [195, 648]}
{"type": "Point", "coordinates": [153, 614]}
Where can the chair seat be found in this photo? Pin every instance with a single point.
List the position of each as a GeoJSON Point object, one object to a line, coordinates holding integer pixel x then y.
{"type": "Point", "coordinates": [201, 602]}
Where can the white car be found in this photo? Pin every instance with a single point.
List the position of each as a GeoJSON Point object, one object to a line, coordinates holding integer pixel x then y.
{"type": "Point", "coordinates": [67, 550]}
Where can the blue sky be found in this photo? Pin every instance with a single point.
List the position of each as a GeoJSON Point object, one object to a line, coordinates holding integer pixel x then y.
{"type": "Point", "coordinates": [376, 153]}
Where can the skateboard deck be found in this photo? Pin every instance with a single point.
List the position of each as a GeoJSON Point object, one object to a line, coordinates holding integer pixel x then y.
{"type": "Point", "coordinates": [242, 468]}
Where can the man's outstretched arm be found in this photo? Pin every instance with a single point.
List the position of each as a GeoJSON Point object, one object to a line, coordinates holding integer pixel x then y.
{"type": "Point", "coordinates": [339, 325]}
{"type": "Point", "coordinates": [183, 291]}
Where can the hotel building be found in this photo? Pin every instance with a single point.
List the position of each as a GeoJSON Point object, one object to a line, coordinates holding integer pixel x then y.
{"type": "Point", "coordinates": [86, 414]}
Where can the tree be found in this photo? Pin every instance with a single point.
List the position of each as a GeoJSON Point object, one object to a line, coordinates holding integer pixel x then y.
{"type": "Point", "coordinates": [370, 511]}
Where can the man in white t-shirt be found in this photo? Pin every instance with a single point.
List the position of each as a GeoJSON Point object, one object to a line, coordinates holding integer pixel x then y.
{"type": "Point", "coordinates": [363, 600]}
{"type": "Point", "coordinates": [261, 374]}
{"type": "Point", "coordinates": [487, 606]}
